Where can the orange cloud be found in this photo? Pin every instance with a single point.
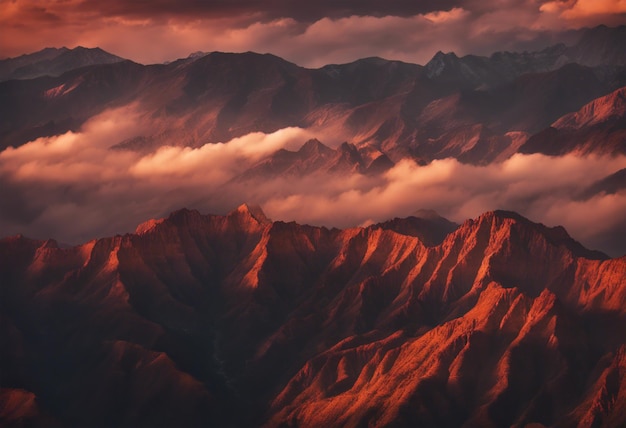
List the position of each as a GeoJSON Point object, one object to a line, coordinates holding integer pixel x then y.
{"type": "Point", "coordinates": [582, 10]}
{"type": "Point", "coordinates": [440, 16]}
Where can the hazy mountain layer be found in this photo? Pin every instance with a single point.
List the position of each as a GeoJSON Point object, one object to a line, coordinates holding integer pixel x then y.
{"type": "Point", "coordinates": [53, 62]}
{"type": "Point", "coordinates": [476, 109]}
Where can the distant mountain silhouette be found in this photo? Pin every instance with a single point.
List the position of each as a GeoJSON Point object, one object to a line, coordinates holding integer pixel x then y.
{"type": "Point", "coordinates": [53, 62]}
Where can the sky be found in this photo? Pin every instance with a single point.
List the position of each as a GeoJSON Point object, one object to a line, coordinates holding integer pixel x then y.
{"type": "Point", "coordinates": [309, 33]}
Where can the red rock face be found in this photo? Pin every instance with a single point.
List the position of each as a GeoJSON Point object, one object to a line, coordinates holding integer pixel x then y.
{"type": "Point", "coordinates": [236, 320]}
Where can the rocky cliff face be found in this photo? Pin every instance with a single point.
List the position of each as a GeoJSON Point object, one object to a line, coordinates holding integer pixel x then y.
{"type": "Point", "coordinates": [599, 127]}
{"type": "Point", "coordinates": [194, 318]}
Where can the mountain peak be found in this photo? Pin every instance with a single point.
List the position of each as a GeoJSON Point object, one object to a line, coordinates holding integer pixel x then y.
{"type": "Point", "coordinates": [348, 148]}
{"type": "Point", "coordinates": [197, 54]}
{"type": "Point", "coordinates": [253, 210]}
{"type": "Point", "coordinates": [147, 226]}
{"type": "Point", "coordinates": [427, 214]}
{"type": "Point", "coordinates": [373, 60]}
{"type": "Point", "coordinates": [314, 146]}
{"type": "Point", "coordinates": [556, 235]}
{"type": "Point", "coordinates": [436, 66]}
{"type": "Point", "coordinates": [444, 56]}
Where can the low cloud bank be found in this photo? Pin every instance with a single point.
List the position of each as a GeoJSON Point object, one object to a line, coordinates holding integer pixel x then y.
{"type": "Point", "coordinates": [73, 187]}
{"type": "Point", "coordinates": [539, 187]}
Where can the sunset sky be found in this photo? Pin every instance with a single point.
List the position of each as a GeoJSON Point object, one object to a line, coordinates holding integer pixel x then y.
{"type": "Point", "coordinates": [308, 33]}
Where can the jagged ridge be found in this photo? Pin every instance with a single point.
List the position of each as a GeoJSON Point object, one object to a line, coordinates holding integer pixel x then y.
{"type": "Point", "coordinates": [503, 322]}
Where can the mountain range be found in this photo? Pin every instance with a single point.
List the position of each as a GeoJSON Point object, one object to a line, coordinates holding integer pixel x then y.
{"type": "Point", "coordinates": [233, 319]}
{"type": "Point", "coordinates": [237, 320]}
{"type": "Point", "coordinates": [476, 109]}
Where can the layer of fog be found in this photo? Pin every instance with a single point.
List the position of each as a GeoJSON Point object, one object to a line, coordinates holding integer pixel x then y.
{"type": "Point", "coordinates": [73, 187]}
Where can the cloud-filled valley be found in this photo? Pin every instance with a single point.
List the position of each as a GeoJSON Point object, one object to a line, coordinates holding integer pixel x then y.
{"type": "Point", "coordinates": [74, 187]}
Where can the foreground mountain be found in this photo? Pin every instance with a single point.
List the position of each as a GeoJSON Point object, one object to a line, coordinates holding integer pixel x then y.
{"type": "Point", "coordinates": [237, 320]}
{"type": "Point", "coordinates": [53, 62]}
